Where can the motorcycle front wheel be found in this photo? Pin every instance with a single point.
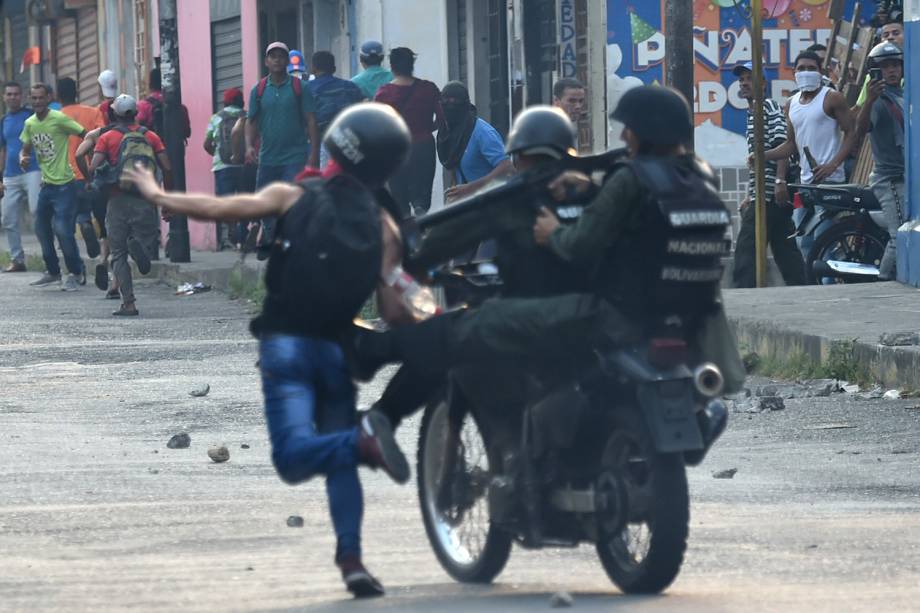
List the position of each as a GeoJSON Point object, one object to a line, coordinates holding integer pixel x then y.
{"type": "Point", "coordinates": [853, 239]}
{"type": "Point", "coordinates": [646, 555]}
{"type": "Point", "coordinates": [453, 472]}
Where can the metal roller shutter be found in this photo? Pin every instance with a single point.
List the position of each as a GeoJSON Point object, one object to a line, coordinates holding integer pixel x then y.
{"type": "Point", "coordinates": [227, 61]}
{"type": "Point", "coordinates": [19, 42]}
{"type": "Point", "coordinates": [88, 55]}
{"type": "Point", "coordinates": [65, 48]}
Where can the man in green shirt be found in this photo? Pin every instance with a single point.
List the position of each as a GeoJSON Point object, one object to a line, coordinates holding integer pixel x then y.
{"type": "Point", "coordinates": [48, 132]}
{"type": "Point", "coordinates": [374, 75]}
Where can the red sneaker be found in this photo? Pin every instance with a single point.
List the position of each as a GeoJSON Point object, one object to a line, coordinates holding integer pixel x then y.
{"type": "Point", "coordinates": [357, 580]}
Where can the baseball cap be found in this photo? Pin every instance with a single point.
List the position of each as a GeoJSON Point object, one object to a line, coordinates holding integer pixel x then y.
{"type": "Point", "coordinates": [295, 62]}
{"type": "Point", "coordinates": [746, 67]}
{"type": "Point", "coordinates": [109, 83]}
{"type": "Point", "coordinates": [277, 45]}
{"type": "Point", "coordinates": [124, 105]}
{"type": "Point", "coordinates": [232, 94]}
{"type": "Point", "coordinates": [372, 48]}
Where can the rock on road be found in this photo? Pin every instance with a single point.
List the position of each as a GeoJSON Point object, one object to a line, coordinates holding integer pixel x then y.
{"type": "Point", "coordinates": [97, 514]}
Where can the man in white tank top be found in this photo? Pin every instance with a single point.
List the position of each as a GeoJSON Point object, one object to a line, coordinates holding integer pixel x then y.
{"type": "Point", "coordinates": [819, 120]}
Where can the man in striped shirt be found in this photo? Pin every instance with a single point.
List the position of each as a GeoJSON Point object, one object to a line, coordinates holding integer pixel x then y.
{"type": "Point", "coordinates": [778, 209]}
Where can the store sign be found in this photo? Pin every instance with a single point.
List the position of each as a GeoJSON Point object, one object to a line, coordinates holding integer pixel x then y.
{"type": "Point", "coordinates": [722, 41]}
{"type": "Point", "coordinates": [568, 57]}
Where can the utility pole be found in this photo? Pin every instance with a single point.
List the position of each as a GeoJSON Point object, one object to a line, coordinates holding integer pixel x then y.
{"type": "Point", "coordinates": [679, 48]}
{"type": "Point", "coordinates": [757, 82]}
{"type": "Point", "coordinates": [178, 245]}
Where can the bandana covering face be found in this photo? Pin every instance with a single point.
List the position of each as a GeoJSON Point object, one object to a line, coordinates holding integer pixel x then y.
{"type": "Point", "coordinates": [461, 119]}
{"type": "Point", "coordinates": [808, 81]}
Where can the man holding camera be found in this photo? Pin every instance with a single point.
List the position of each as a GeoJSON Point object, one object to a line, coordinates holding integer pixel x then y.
{"type": "Point", "coordinates": [883, 116]}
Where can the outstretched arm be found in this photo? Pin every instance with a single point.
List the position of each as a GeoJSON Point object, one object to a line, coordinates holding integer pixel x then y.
{"type": "Point", "coordinates": [274, 199]}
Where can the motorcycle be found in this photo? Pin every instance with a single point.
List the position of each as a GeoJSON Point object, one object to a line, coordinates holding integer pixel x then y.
{"type": "Point", "coordinates": [850, 249]}
{"type": "Point", "coordinates": [594, 454]}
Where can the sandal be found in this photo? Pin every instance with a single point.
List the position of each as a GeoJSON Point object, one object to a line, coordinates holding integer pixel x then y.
{"type": "Point", "coordinates": [124, 311]}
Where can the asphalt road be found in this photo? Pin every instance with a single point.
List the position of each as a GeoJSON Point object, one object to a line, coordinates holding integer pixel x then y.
{"type": "Point", "coordinates": [96, 514]}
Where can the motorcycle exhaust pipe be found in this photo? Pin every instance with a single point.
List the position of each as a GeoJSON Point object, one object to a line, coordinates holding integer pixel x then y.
{"type": "Point", "coordinates": [708, 380]}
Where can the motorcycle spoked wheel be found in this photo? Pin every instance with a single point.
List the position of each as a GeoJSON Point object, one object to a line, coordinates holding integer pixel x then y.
{"type": "Point", "coordinates": [853, 239]}
{"type": "Point", "coordinates": [453, 473]}
{"type": "Point", "coordinates": [646, 555]}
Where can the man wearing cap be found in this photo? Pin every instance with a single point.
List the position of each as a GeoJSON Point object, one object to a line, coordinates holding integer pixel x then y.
{"type": "Point", "coordinates": [778, 210]}
{"type": "Point", "coordinates": [129, 215]}
{"type": "Point", "coordinates": [47, 133]}
{"type": "Point", "coordinates": [281, 113]}
{"type": "Point", "coordinates": [108, 85]}
{"type": "Point", "coordinates": [218, 143]}
{"type": "Point", "coordinates": [374, 75]}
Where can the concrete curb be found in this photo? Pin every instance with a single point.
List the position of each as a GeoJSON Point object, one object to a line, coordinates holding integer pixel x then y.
{"type": "Point", "coordinates": [892, 367]}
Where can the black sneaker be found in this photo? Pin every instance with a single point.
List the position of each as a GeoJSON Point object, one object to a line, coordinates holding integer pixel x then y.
{"type": "Point", "coordinates": [358, 580]}
{"type": "Point", "coordinates": [81, 278]}
{"type": "Point", "coordinates": [377, 446]}
{"type": "Point", "coordinates": [89, 237]}
{"type": "Point", "coordinates": [139, 255]}
{"type": "Point", "coordinates": [102, 277]}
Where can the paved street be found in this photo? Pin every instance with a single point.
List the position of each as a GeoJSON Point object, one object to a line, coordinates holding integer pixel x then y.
{"type": "Point", "coordinates": [96, 514]}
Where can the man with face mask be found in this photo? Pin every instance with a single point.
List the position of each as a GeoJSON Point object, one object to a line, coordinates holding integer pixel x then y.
{"type": "Point", "coordinates": [469, 147]}
{"type": "Point", "coordinates": [819, 121]}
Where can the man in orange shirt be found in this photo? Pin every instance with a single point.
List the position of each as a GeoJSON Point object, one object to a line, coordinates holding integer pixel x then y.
{"type": "Point", "coordinates": [90, 118]}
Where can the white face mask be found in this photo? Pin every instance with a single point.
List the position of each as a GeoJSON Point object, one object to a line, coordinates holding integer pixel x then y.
{"type": "Point", "coordinates": [808, 81]}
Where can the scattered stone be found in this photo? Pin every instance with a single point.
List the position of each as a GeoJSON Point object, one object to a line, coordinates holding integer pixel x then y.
{"type": "Point", "coordinates": [891, 395]}
{"type": "Point", "coordinates": [219, 454]}
{"type": "Point", "coordinates": [244, 446]}
{"type": "Point", "coordinates": [180, 441]}
{"type": "Point", "coordinates": [830, 427]}
{"type": "Point", "coordinates": [899, 339]}
{"type": "Point", "coordinates": [900, 452]}
{"type": "Point", "coordinates": [811, 547]}
{"type": "Point", "coordinates": [916, 408]}
{"type": "Point", "coordinates": [295, 521]}
{"type": "Point", "coordinates": [249, 568]}
{"type": "Point", "coordinates": [772, 404]}
{"type": "Point", "coordinates": [156, 451]}
{"type": "Point", "coordinates": [153, 471]}
{"type": "Point", "coordinates": [815, 388]}
{"type": "Point", "coordinates": [847, 452]}
{"type": "Point", "coordinates": [728, 473]}
{"type": "Point", "coordinates": [850, 388]}
{"type": "Point", "coordinates": [758, 404]}
{"type": "Point", "coordinates": [873, 394]}
{"type": "Point", "coordinates": [561, 600]}
{"type": "Point", "coordinates": [200, 391]}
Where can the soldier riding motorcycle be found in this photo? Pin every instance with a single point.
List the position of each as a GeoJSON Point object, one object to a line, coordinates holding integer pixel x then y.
{"type": "Point", "coordinates": [601, 396]}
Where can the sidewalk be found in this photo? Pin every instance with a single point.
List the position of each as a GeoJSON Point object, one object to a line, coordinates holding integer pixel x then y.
{"type": "Point", "coordinates": [791, 322]}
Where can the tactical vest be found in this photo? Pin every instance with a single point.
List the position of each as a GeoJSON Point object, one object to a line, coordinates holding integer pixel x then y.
{"type": "Point", "coordinates": [672, 263]}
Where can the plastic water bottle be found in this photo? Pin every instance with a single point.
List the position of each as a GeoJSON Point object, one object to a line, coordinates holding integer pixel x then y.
{"type": "Point", "coordinates": [419, 299]}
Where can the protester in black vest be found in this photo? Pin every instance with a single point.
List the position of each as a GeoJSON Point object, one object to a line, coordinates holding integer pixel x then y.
{"type": "Point", "coordinates": [332, 247]}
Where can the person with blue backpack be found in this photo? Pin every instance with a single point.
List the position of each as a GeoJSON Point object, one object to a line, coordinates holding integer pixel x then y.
{"type": "Point", "coordinates": [331, 94]}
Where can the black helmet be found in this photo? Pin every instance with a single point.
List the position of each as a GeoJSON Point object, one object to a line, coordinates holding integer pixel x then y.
{"type": "Point", "coordinates": [885, 51]}
{"type": "Point", "coordinates": [544, 130]}
{"type": "Point", "coordinates": [369, 141]}
{"type": "Point", "coordinates": [658, 115]}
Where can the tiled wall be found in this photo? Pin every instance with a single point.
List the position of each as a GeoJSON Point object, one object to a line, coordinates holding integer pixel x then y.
{"type": "Point", "coordinates": [734, 182]}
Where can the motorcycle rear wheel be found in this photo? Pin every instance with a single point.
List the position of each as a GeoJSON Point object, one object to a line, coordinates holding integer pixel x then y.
{"type": "Point", "coordinates": [646, 556]}
{"type": "Point", "coordinates": [467, 544]}
{"type": "Point", "coordinates": [853, 239]}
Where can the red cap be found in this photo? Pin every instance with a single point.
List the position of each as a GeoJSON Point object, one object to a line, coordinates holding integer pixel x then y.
{"type": "Point", "coordinates": [232, 94]}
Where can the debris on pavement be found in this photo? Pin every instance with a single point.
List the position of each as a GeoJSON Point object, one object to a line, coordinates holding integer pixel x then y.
{"type": "Point", "coordinates": [244, 446]}
{"type": "Point", "coordinates": [728, 473]}
{"type": "Point", "coordinates": [180, 441]}
{"type": "Point", "coordinates": [295, 521]}
{"type": "Point", "coordinates": [187, 289]}
{"type": "Point", "coordinates": [758, 404]}
{"type": "Point", "coordinates": [899, 339]}
{"type": "Point", "coordinates": [814, 388]}
{"type": "Point", "coordinates": [830, 427]}
{"type": "Point", "coordinates": [200, 391]}
{"type": "Point", "coordinates": [891, 395]}
{"type": "Point", "coordinates": [849, 388]}
{"type": "Point", "coordinates": [561, 600]}
{"type": "Point", "coordinates": [219, 454]}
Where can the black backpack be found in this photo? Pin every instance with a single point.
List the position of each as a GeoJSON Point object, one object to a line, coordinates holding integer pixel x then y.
{"type": "Point", "coordinates": [326, 256]}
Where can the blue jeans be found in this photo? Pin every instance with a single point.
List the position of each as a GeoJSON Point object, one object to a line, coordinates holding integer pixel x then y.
{"type": "Point", "coordinates": [57, 216]}
{"type": "Point", "coordinates": [270, 174]}
{"type": "Point", "coordinates": [310, 410]}
{"type": "Point", "coordinates": [226, 182]}
{"type": "Point", "coordinates": [84, 200]}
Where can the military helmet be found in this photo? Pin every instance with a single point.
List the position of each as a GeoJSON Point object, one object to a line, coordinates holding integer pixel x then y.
{"type": "Point", "coordinates": [542, 130]}
{"type": "Point", "coordinates": [885, 51]}
{"type": "Point", "coordinates": [369, 141]}
{"type": "Point", "coordinates": [658, 115]}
